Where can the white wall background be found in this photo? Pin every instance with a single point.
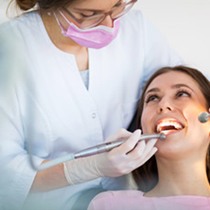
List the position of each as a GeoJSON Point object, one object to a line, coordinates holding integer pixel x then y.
{"type": "Point", "coordinates": [185, 23]}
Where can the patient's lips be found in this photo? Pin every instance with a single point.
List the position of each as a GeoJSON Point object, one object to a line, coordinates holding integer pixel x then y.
{"type": "Point", "coordinates": [168, 126]}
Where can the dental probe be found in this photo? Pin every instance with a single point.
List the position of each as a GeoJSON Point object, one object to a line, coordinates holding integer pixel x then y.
{"type": "Point", "coordinates": [105, 147]}
{"type": "Point", "coordinates": [100, 148]}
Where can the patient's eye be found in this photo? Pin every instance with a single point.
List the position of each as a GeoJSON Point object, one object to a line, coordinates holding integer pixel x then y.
{"type": "Point", "coordinates": [152, 97]}
{"type": "Point", "coordinates": [182, 93]}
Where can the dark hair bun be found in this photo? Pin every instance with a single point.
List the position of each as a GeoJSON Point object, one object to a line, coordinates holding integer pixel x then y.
{"type": "Point", "coordinates": [26, 4]}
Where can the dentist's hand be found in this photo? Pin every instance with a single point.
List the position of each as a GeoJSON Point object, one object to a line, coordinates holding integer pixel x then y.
{"type": "Point", "coordinates": [119, 161]}
{"type": "Point", "coordinates": [127, 157]}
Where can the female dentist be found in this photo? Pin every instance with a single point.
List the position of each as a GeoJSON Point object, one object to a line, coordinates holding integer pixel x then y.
{"type": "Point", "coordinates": [71, 71]}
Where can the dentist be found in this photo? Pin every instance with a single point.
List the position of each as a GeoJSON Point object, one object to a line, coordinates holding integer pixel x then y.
{"type": "Point", "coordinates": [70, 75]}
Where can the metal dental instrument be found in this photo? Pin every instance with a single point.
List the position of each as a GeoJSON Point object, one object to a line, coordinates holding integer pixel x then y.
{"type": "Point", "coordinates": [105, 147]}
{"type": "Point", "coordinates": [204, 117]}
{"type": "Point", "coordinates": [100, 148]}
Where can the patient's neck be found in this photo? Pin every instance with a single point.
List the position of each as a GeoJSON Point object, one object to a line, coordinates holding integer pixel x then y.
{"type": "Point", "coordinates": [181, 178]}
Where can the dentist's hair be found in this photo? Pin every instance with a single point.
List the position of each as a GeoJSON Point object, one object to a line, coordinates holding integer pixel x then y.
{"type": "Point", "coordinates": [146, 176]}
{"type": "Point", "coordinates": [42, 4]}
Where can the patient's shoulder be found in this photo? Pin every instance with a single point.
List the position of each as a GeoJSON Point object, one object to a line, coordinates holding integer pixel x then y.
{"type": "Point", "coordinates": [115, 199]}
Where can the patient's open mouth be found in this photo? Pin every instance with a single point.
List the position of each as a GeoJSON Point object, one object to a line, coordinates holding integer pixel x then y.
{"type": "Point", "coordinates": [167, 126]}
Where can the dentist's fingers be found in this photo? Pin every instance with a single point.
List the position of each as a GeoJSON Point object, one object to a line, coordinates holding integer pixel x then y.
{"type": "Point", "coordinates": [129, 144]}
{"type": "Point", "coordinates": [121, 134]}
{"type": "Point", "coordinates": [149, 145]}
{"type": "Point", "coordinates": [126, 157]}
{"type": "Point", "coordinates": [142, 152]}
{"type": "Point", "coordinates": [148, 156]}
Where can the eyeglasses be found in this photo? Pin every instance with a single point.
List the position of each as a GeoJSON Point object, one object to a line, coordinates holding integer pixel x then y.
{"type": "Point", "coordinates": [90, 19]}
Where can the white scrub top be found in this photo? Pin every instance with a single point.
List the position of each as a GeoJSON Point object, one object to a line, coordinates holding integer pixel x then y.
{"type": "Point", "coordinates": [43, 100]}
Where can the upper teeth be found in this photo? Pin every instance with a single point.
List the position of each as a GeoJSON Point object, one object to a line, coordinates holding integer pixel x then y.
{"type": "Point", "coordinates": [168, 125]}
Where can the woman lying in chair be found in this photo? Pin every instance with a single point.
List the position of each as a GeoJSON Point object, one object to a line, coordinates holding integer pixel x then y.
{"type": "Point", "coordinates": [178, 176]}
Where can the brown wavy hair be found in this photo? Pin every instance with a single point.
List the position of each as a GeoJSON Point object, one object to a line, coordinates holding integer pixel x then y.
{"type": "Point", "coordinates": [146, 176]}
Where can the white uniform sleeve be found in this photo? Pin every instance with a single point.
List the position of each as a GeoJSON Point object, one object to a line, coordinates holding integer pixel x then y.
{"type": "Point", "coordinates": [16, 174]}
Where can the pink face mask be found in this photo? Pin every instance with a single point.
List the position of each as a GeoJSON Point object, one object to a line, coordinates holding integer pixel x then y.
{"type": "Point", "coordinates": [96, 37]}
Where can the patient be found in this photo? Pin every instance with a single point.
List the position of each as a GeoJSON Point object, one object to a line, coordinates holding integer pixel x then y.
{"type": "Point", "coordinates": [178, 176]}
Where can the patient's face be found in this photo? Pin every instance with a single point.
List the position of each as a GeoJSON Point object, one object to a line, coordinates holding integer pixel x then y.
{"type": "Point", "coordinates": [173, 102]}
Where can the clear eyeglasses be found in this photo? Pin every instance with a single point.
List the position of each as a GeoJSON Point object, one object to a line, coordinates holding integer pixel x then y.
{"type": "Point", "coordinates": [93, 18]}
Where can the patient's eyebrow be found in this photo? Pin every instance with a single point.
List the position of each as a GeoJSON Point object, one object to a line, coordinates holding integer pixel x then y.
{"type": "Point", "coordinates": [152, 90]}
{"type": "Point", "coordinates": [176, 86]}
